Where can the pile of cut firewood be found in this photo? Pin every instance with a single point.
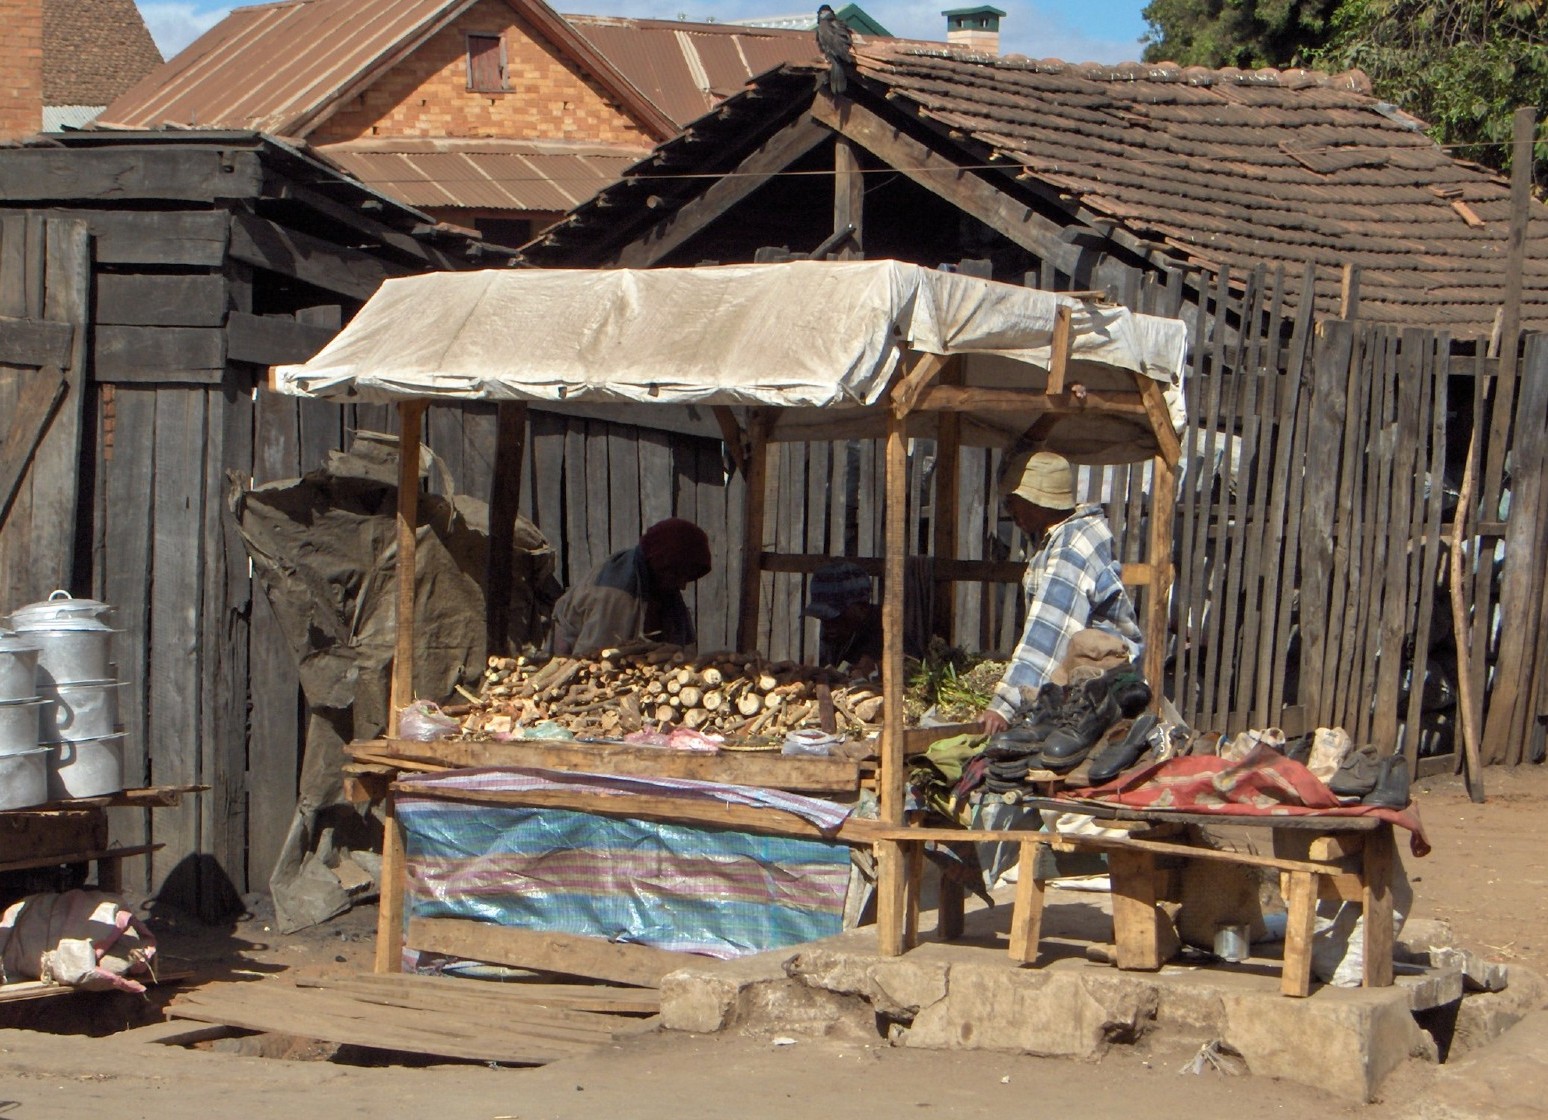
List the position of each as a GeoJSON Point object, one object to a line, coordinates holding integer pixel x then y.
{"type": "Point", "coordinates": [658, 688]}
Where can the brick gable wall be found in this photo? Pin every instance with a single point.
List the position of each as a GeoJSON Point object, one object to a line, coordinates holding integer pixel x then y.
{"type": "Point", "coordinates": [21, 68]}
{"type": "Point", "coordinates": [426, 94]}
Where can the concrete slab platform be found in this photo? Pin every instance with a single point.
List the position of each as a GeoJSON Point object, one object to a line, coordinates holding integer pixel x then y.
{"type": "Point", "coordinates": [968, 994]}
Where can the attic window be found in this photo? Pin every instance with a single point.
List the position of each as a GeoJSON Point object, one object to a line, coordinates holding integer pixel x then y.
{"type": "Point", "coordinates": [486, 63]}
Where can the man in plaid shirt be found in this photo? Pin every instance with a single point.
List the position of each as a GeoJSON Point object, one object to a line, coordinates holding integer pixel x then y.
{"type": "Point", "coordinates": [1073, 582]}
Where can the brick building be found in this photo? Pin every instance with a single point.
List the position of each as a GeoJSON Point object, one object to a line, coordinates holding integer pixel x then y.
{"type": "Point", "coordinates": [499, 115]}
{"type": "Point", "coordinates": [62, 61]}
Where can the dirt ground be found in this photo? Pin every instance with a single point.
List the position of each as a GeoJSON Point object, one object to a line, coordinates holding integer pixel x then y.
{"type": "Point", "coordinates": [1485, 877]}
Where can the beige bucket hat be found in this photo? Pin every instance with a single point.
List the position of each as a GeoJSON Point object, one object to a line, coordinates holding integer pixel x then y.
{"type": "Point", "coordinates": [1041, 477]}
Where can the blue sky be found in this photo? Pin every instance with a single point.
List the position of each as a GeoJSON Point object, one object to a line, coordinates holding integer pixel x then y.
{"type": "Point", "coordinates": [1074, 30]}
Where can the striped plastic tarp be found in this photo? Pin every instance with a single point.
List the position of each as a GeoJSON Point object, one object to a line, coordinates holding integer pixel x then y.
{"type": "Point", "coordinates": [682, 887]}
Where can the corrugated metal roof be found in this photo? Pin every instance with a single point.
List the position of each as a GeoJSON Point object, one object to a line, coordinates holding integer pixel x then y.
{"type": "Point", "coordinates": [686, 68]}
{"type": "Point", "coordinates": [270, 67]}
{"type": "Point", "coordinates": [56, 118]}
{"type": "Point", "coordinates": [546, 176]}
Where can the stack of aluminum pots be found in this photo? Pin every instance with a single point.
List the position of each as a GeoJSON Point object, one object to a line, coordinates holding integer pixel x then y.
{"type": "Point", "coordinates": [78, 714]}
{"type": "Point", "coordinates": [23, 764]}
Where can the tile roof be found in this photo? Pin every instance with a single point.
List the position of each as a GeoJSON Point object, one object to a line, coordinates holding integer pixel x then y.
{"type": "Point", "coordinates": [93, 50]}
{"type": "Point", "coordinates": [548, 176]}
{"type": "Point", "coordinates": [1238, 168]}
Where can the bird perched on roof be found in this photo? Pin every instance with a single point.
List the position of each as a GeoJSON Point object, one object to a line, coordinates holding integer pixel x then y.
{"type": "Point", "coordinates": [833, 37]}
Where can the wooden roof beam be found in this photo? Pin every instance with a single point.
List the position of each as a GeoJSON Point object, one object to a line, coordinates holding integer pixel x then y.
{"type": "Point", "coordinates": [672, 232]}
{"type": "Point", "coordinates": [962, 188]}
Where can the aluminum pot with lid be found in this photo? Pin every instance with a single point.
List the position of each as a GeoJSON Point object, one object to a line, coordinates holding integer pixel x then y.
{"type": "Point", "coordinates": [73, 651]}
{"type": "Point", "coordinates": [20, 724]}
{"type": "Point", "coordinates": [62, 607]}
{"type": "Point", "coordinates": [18, 668]}
{"type": "Point", "coordinates": [71, 712]}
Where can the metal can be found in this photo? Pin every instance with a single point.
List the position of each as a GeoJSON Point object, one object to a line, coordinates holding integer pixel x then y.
{"type": "Point", "coordinates": [1231, 942]}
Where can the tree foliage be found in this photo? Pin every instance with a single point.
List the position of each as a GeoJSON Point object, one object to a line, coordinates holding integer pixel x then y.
{"type": "Point", "coordinates": [1462, 66]}
{"type": "Point", "coordinates": [1245, 33]}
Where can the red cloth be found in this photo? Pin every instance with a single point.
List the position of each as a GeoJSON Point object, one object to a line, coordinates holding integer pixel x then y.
{"type": "Point", "coordinates": [1263, 784]}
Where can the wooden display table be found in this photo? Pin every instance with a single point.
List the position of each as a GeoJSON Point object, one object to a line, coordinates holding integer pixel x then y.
{"type": "Point", "coordinates": [1336, 857]}
{"type": "Point", "coordinates": [76, 831]}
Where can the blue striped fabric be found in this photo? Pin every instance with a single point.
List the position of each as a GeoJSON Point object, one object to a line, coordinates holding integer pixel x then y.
{"type": "Point", "coordinates": [669, 886]}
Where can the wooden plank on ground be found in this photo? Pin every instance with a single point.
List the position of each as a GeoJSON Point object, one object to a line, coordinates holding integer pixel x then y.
{"type": "Point", "coordinates": [546, 951]}
{"type": "Point", "coordinates": [278, 1008]}
{"type": "Point", "coordinates": [448, 992]}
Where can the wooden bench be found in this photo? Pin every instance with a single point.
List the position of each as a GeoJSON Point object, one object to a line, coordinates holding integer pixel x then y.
{"type": "Point", "coordinates": [1347, 858]}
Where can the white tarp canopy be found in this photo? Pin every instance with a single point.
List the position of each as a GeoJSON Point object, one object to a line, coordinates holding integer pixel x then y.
{"type": "Point", "coordinates": [818, 339]}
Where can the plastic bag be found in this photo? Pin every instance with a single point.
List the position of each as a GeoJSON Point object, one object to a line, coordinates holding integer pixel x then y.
{"type": "Point", "coordinates": [424, 722]}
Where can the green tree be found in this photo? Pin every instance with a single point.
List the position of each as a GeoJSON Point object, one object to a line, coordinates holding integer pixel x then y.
{"type": "Point", "coordinates": [1245, 33]}
{"type": "Point", "coordinates": [1461, 66]}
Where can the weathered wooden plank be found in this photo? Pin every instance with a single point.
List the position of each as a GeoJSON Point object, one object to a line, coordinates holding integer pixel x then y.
{"type": "Point", "coordinates": [271, 339]}
{"type": "Point", "coordinates": [624, 512]}
{"type": "Point", "coordinates": [1397, 592]}
{"type": "Point", "coordinates": [326, 265]}
{"type": "Point", "coordinates": [1329, 403]}
{"type": "Point", "coordinates": [54, 476]}
{"type": "Point", "coordinates": [579, 544]}
{"type": "Point", "coordinates": [175, 661]}
{"type": "Point", "coordinates": [548, 495]}
{"type": "Point", "coordinates": [1506, 725]}
{"type": "Point", "coordinates": [480, 439]}
{"type": "Point", "coordinates": [504, 490]}
{"type": "Point", "coordinates": [544, 951]}
{"type": "Point", "coordinates": [165, 355]}
{"type": "Point", "coordinates": [139, 172]}
{"type": "Point", "coordinates": [124, 515]}
{"type": "Point", "coordinates": [186, 238]}
{"type": "Point", "coordinates": [714, 595]}
{"type": "Point", "coordinates": [35, 342]}
{"type": "Point", "coordinates": [450, 993]}
{"type": "Point", "coordinates": [224, 676]}
{"type": "Point", "coordinates": [161, 300]}
{"type": "Point", "coordinates": [772, 771]}
{"type": "Point", "coordinates": [38, 397]}
{"type": "Point", "coordinates": [1234, 559]}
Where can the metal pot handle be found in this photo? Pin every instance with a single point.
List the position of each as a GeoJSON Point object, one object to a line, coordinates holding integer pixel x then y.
{"type": "Point", "coordinates": [61, 593]}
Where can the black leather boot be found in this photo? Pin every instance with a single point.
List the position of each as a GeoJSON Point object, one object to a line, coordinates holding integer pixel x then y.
{"type": "Point", "coordinates": [1114, 758]}
{"type": "Point", "coordinates": [1088, 712]}
{"type": "Point", "coordinates": [1392, 782]}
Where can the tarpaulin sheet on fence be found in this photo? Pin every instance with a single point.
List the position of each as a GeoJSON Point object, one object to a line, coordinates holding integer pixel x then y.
{"type": "Point", "coordinates": [683, 887]}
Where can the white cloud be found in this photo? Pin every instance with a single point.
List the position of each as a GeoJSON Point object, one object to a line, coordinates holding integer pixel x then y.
{"type": "Point", "coordinates": [176, 23]}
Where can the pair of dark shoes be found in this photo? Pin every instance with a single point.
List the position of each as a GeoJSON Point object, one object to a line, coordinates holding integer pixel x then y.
{"type": "Point", "coordinates": [1117, 756]}
{"type": "Point", "coordinates": [1373, 779]}
{"type": "Point", "coordinates": [1088, 713]}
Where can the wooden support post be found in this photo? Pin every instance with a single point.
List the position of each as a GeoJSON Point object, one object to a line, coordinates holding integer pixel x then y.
{"type": "Point", "coordinates": [948, 464]}
{"type": "Point", "coordinates": [1136, 937]}
{"type": "Point", "coordinates": [1027, 912]}
{"type": "Point", "coordinates": [504, 504]}
{"type": "Point", "coordinates": [848, 198]}
{"type": "Point", "coordinates": [1059, 360]}
{"type": "Point", "coordinates": [916, 864]}
{"type": "Point", "coordinates": [892, 875]}
{"type": "Point", "coordinates": [1300, 921]}
{"type": "Point", "coordinates": [1377, 865]}
{"type": "Point", "coordinates": [389, 914]}
{"type": "Point", "coordinates": [756, 478]}
{"type": "Point", "coordinates": [410, 413]}
{"type": "Point", "coordinates": [1163, 502]}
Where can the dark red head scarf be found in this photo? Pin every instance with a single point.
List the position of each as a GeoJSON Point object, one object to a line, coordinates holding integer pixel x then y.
{"type": "Point", "coordinates": [677, 542]}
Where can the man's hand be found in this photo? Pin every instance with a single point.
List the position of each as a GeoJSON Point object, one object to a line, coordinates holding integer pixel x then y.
{"type": "Point", "coordinates": [992, 722]}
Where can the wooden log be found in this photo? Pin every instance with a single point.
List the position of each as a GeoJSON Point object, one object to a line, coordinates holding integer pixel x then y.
{"type": "Point", "coordinates": [137, 171]}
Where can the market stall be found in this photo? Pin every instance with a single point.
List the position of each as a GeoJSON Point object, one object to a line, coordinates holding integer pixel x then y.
{"type": "Point", "coordinates": [789, 352]}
